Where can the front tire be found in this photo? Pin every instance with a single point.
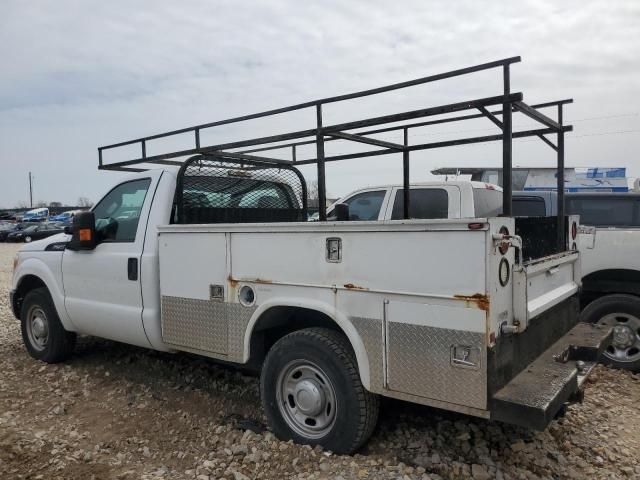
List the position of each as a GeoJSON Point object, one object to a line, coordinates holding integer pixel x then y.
{"type": "Point", "coordinates": [622, 312]}
{"type": "Point", "coordinates": [312, 393]}
{"type": "Point", "coordinates": [42, 332]}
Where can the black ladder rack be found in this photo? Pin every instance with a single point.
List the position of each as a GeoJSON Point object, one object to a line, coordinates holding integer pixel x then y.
{"type": "Point", "coordinates": [502, 105]}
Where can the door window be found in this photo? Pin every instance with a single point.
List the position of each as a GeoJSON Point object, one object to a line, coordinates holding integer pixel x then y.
{"type": "Point", "coordinates": [366, 205]}
{"type": "Point", "coordinates": [603, 211]}
{"type": "Point", "coordinates": [528, 207]}
{"type": "Point", "coordinates": [424, 203]}
{"type": "Point", "coordinates": [118, 213]}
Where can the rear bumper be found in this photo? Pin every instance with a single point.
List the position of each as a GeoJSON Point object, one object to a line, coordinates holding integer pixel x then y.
{"type": "Point", "coordinates": [536, 394]}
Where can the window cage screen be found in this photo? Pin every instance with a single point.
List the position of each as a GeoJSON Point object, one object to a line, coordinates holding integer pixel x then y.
{"type": "Point", "coordinates": [221, 190]}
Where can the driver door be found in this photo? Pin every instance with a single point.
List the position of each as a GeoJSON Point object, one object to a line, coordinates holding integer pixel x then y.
{"type": "Point", "coordinates": [103, 295]}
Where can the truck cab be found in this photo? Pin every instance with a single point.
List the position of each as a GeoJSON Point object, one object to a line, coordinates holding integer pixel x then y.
{"type": "Point", "coordinates": [428, 200]}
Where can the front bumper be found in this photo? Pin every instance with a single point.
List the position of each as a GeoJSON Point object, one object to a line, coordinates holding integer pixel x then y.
{"type": "Point", "coordinates": [535, 395]}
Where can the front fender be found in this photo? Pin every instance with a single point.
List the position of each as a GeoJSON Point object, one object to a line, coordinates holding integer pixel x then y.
{"type": "Point", "coordinates": [49, 270]}
{"type": "Point", "coordinates": [330, 311]}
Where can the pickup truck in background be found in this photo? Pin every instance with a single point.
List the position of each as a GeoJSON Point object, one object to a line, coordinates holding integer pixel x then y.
{"type": "Point", "coordinates": [609, 245]}
{"type": "Point", "coordinates": [428, 200]}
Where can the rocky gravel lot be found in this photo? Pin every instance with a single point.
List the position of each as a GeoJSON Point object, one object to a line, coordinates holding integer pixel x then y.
{"type": "Point", "coordinates": [119, 412]}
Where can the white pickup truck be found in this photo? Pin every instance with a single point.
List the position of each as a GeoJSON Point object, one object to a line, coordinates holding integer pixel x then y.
{"type": "Point", "coordinates": [438, 312]}
{"type": "Point", "coordinates": [428, 200]}
{"type": "Point", "coordinates": [217, 258]}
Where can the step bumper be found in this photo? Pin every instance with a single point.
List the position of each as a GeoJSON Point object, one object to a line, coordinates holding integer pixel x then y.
{"type": "Point", "coordinates": [534, 396]}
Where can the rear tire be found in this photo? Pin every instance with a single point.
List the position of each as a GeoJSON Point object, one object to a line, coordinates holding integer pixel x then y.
{"type": "Point", "coordinates": [42, 332]}
{"type": "Point", "coordinates": [312, 393]}
{"type": "Point", "coordinates": [622, 312]}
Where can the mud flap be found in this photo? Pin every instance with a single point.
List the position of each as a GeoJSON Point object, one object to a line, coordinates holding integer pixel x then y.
{"type": "Point", "coordinates": [534, 397]}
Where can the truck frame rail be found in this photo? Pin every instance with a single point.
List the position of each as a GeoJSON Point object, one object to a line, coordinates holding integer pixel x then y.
{"type": "Point", "coordinates": [362, 132]}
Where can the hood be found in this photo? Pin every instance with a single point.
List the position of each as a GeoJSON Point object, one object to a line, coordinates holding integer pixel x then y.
{"type": "Point", "coordinates": [41, 245]}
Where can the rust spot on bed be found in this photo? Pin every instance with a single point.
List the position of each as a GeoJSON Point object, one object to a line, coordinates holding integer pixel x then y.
{"type": "Point", "coordinates": [351, 286]}
{"type": "Point", "coordinates": [233, 282]}
{"type": "Point", "coordinates": [479, 300]}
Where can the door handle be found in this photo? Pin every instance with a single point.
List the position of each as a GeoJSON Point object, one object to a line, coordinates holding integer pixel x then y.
{"type": "Point", "coordinates": [132, 269]}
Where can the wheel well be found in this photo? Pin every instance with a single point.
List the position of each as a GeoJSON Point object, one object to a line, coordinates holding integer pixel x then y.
{"type": "Point", "coordinates": [604, 282]}
{"type": "Point", "coordinates": [27, 284]}
{"type": "Point", "coordinates": [277, 322]}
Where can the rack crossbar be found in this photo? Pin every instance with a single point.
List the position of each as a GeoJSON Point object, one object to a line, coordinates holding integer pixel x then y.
{"type": "Point", "coordinates": [361, 131]}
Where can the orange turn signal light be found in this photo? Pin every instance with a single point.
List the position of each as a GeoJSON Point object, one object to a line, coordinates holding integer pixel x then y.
{"type": "Point", "coordinates": [85, 234]}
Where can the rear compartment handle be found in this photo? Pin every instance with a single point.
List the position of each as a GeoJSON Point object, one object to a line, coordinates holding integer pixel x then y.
{"type": "Point", "coordinates": [553, 270]}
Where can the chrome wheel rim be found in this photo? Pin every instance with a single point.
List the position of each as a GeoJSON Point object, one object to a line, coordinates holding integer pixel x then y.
{"type": "Point", "coordinates": [625, 342]}
{"type": "Point", "coordinates": [306, 399]}
{"type": "Point", "coordinates": [27, 239]}
{"type": "Point", "coordinates": [37, 328]}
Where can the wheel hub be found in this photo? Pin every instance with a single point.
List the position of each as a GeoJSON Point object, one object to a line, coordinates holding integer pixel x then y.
{"type": "Point", "coordinates": [306, 399]}
{"type": "Point", "coordinates": [623, 336]}
{"type": "Point", "coordinates": [309, 397]}
{"type": "Point", "coordinates": [39, 327]}
{"type": "Point", "coordinates": [625, 341]}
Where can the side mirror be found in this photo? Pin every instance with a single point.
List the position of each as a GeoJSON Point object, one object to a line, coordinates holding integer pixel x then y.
{"type": "Point", "coordinates": [83, 232]}
{"type": "Point", "coordinates": [341, 212]}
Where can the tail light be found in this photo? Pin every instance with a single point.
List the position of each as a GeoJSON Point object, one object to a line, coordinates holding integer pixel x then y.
{"type": "Point", "coordinates": [574, 230]}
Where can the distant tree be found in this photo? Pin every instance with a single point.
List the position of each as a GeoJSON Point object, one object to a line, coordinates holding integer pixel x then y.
{"type": "Point", "coordinates": [55, 204]}
{"type": "Point", "coordinates": [22, 204]}
{"type": "Point", "coordinates": [41, 203]}
{"type": "Point", "coordinates": [85, 202]}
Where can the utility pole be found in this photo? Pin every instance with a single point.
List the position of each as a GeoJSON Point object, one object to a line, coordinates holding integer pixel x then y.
{"type": "Point", "coordinates": [30, 191]}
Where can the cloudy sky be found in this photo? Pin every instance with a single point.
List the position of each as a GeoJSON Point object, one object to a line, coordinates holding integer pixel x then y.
{"type": "Point", "coordinates": [79, 74]}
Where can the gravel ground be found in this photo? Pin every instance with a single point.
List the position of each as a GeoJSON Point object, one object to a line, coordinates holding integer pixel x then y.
{"type": "Point", "coordinates": [120, 412]}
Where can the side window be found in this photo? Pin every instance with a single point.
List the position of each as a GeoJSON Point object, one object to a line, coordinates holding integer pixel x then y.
{"type": "Point", "coordinates": [528, 207]}
{"type": "Point", "coordinates": [602, 211]}
{"type": "Point", "coordinates": [118, 213]}
{"type": "Point", "coordinates": [366, 205]}
{"type": "Point", "coordinates": [424, 203]}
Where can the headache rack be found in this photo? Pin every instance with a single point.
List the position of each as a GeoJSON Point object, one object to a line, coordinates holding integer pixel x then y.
{"type": "Point", "coordinates": [241, 154]}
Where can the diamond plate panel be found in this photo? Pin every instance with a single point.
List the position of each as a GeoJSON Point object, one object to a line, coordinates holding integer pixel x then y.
{"type": "Point", "coordinates": [419, 363]}
{"type": "Point", "coordinates": [206, 325]}
{"type": "Point", "coordinates": [370, 331]}
{"type": "Point", "coordinates": [239, 317]}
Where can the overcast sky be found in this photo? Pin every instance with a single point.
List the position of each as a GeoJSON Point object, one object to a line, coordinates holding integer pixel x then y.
{"type": "Point", "coordinates": [80, 74]}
